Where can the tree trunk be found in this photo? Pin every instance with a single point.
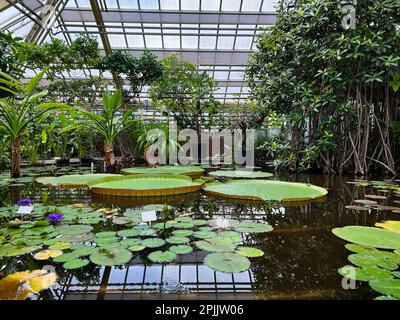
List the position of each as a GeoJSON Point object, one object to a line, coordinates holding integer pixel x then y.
{"type": "Point", "coordinates": [16, 157]}
{"type": "Point", "coordinates": [198, 129]}
{"type": "Point", "coordinates": [109, 158]}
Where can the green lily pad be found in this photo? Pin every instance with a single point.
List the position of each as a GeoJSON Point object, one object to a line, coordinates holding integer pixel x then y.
{"type": "Point", "coordinates": [241, 174]}
{"type": "Point", "coordinates": [253, 227]}
{"type": "Point", "coordinates": [369, 236]}
{"type": "Point", "coordinates": [128, 233]}
{"type": "Point", "coordinates": [162, 256]}
{"type": "Point", "coordinates": [129, 242]}
{"type": "Point", "coordinates": [76, 238]}
{"type": "Point", "coordinates": [9, 250]}
{"type": "Point", "coordinates": [75, 264]}
{"type": "Point", "coordinates": [369, 260]}
{"type": "Point", "coordinates": [182, 232]}
{"type": "Point", "coordinates": [386, 286]}
{"type": "Point", "coordinates": [233, 236]}
{"type": "Point", "coordinates": [359, 249]}
{"type": "Point", "coordinates": [204, 234]}
{"type": "Point", "coordinates": [153, 243]}
{"type": "Point", "coordinates": [249, 252]}
{"type": "Point", "coordinates": [106, 234]}
{"type": "Point", "coordinates": [266, 190]}
{"type": "Point", "coordinates": [181, 249]}
{"type": "Point", "coordinates": [227, 262]}
{"type": "Point", "coordinates": [66, 257]}
{"type": "Point", "coordinates": [112, 257]}
{"type": "Point", "coordinates": [137, 248]}
{"type": "Point", "coordinates": [60, 246]}
{"type": "Point", "coordinates": [177, 240]}
{"type": "Point", "coordinates": [216, 245]}
{"type": "Point", "coordinates": [72, 229]}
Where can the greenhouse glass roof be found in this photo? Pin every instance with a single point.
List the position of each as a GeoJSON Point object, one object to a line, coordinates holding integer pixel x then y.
{"type": "Point", "coordinates": [217, 35]}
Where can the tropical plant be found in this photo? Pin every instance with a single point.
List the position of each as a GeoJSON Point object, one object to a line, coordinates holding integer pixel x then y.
{"type": "Point", "coordinates": [139, 71]}
{"type": "Point", "coordinates": [183, 90]}
{"type": "Point", "coordinates": [158, 133]}
{"type": "Point", "coordinates": [21, 110]}
{"type": "Point", "coordinates": [337, 88]}
{"type": "Point", "coordinates": [108, 125]}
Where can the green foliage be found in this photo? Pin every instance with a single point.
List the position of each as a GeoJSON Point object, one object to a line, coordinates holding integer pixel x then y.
{"type": "Point", "coordinates": [184, 91]}
{"type": "Point", "coordinates": [336, 87]}
{"type": "Point", "coordinates": [139, 71]}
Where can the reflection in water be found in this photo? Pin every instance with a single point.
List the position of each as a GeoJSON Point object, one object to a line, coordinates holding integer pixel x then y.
{"type": "Point", "coordinates": [301, 254]}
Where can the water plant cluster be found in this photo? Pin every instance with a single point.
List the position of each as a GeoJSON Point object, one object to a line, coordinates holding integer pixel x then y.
{"type": "Point", "coordinates": [76, 235]}
{"type": "Point", "coordinates": [375, 250]}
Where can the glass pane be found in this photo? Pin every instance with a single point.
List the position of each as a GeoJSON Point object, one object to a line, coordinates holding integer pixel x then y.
{"type": "Point", "coordinates": [153, 41]}
{"type": "Point", "coordinates": [231, 5]}
{"type": "Point", "coordinates": [210, 5]}
{"type": "Point", "coordinates": [225, 42]}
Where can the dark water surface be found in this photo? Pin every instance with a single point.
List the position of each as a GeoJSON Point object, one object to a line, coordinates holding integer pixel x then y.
{"type": "Point", "coordinates": [300, 262]}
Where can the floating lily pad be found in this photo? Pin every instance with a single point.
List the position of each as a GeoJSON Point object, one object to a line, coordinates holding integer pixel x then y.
{"type": "Point", "coordinates": [216, 244]}
{"type": "Point", "coordinates": [240, 174]}
{"type": "Point", "coordinates": [128, 233]}
{"type": "Point", "coordinates": [357, 208]}
{"type": "Point", "coordinates": [182, 233]}
{"type": "Point", "coordinates": [177, 240]}
{"type": "Point", "coordinates": [253, 227]}
{"type": "Point", "coordinates": [129, 242]}
{"type": "Point", "coordinates": [76, 238]}
{"type": "Point", "coordinates": [9, 250]}
{"type": "Point", "coordinates": [106, 234]}
{"type": "Point", "coordinates": [153, 243]}
{"type": "Point", "coordinates": [162, 256]}
{"type": "Point", "coordinates": [137, 248]}
{"type": "Point", "coordinates": [72, 181]}
{"type": "Point", "coordinates": [369, 236]}
{"type": "Point", "coordinates": [76, 264]}
{"type": "Point", "coordinates": [370, 260]}
{"type": "Point", "coordinates": [390, 225]}
{"type": "Point", "coordinates": [145, 185]}
{"type": "Point", "coordinates": [231, 235]}
{"type": "Point", "coordinates": [73, 229]}
{"type": "Point", "coordinates": [375, 197]}
{"type": "Point", "coordinates": [181, 249]}
{"type": "Point", "coordinates": [386, 286]}
{"type": "Point", "coordinates": [365, 201]}
{"type": "Point", "coordinates": [66, 257]}
{"type": "Point", "coordinates": [47, 254]}
{"type": "Point", "coordinates": [359, 249]}
{"type": "Point", "coordinates": [204, 234]}
{"type": "Point", "coordinates": [20, 285]}
{"type": "Point", "coordinates": [190, 171]}
{"type": "Point", "coordinates": [249, 252]}
{"type": "Point", "coordinates": [266, 190]}
{"type": "Point", "coordinates": [227, 262]}
{"type": "Point", "coordinates": [112, 257]}
{"type": "Point", "coordinates": [60, 246]}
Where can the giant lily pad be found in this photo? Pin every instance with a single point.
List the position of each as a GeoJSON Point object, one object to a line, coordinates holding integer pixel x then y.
{"type": "Point", "coordinates": [72, 181]}
{"type": "Point", "coordinates": [145, 185]}
{"type": "Point", "coordinates": [162, 256]}
{"type": "Point", "coordinates": [177, 240]}
{"type": "Point", "coordinates": [113, 257]}
{"type": "Point", "coordinates": [191, 171]}
{"type": "Point", "coordinates": [217, 244]}
{"type": "Point", "coordinates": [369, 236]}
{"type": "Point", "coordinates": [47, 254]}
{"type": "Point", "coordinates": [9, 250]}
{"type": "Point", "coordinates": [227, 262]}
{"type": "Point", "coordinates": [241, 174]}
{"type": "Point", "coordinates": [266, 190]}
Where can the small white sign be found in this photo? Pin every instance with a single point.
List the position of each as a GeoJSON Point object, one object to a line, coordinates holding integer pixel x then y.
{"type": "Point", "coordinates": [149, 216]}
{"type": "Point", "coordinates": [25, 210]}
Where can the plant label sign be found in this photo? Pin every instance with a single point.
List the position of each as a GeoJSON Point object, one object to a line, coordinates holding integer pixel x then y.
{"type": "Point", "coordinates": [149, 216]}
{"type": "Point", "coordinates": [25, 210]}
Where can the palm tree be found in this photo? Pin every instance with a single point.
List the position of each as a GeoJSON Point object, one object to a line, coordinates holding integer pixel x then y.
{"type": "Point", "coordinates": [108, 125]}
{"type": "Point", "coordinates": [21, 110]}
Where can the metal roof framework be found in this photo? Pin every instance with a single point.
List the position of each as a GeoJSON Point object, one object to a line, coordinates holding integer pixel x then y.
{"type": "Point", "coordinates": [216, 35]}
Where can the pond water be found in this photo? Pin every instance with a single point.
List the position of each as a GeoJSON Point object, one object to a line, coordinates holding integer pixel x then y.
{"type": "Point", "coordinates": [300, 261]}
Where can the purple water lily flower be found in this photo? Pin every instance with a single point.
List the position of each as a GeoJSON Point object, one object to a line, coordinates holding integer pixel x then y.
{"type": "Point", "coordinates": [56, 217]}
{"type": "Point", "coordinates": [24, 202]}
